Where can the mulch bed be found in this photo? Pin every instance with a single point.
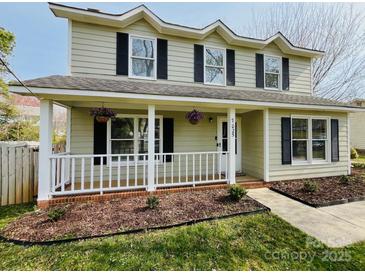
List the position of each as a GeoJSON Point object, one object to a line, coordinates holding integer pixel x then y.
{"type": "Point", "coordinates": [119, 216]}
{"type": "Point", "coordinates": [330, 190]}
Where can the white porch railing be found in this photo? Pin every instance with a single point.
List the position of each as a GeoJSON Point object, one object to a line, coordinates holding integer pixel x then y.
{"type": "Point", "coordinates": [81, 174]}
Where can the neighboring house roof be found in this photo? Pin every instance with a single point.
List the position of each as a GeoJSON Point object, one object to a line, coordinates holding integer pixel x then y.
{"type": "Point", "coordinates": [29, 101]}
{"type": "Point", "coordinates": [142, 12]}
{"type": "Point", "coordinates": [358, 102]}
{"type": "Point", "coordinates": [148, 88]}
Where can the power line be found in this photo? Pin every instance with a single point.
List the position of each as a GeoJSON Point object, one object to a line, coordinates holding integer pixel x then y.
{"type": "Point", "coordinates": [17, 78]}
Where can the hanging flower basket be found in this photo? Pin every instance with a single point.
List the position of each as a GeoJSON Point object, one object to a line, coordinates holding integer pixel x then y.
{"type": "Point", "coordinates": [102, 115]}
{"type": "Point", "coordinates": [194, 116]}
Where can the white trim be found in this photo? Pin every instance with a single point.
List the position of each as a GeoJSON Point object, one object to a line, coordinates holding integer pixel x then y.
{"type": "Point", "coordinates": [151, 148]}
{"type": "Point", "coordinates": [266, 145]}
{"type": "Point", "coordinates": [348, 145]}
{"type": "Point", "coordinates": [280, 74]}
{"type": "Point", "coordinates": [231, 131]}
{"type": "Point", "coordinates": [69, 51]}
{"type": "Point", "coordinates": [224, 65]}
{"type": "Point", "coordinates": [309, 140]}
{"type": "Point", "coordinates": [221, 119]}
{"type": "Point", "coordinates": [131, 16]}
{"type": "Point", "coordinates": [68, 129]}
{"type": "Point", "coordinates": [154, 39]}
{"type": "Point", "coordinates": [125, 95]}
{"type": "Point", "coordinates": [311, 72]}
{"type": "Point", "coordinates": [45, 149]}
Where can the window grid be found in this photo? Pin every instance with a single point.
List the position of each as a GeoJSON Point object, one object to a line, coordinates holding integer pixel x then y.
{"type": "Point", "coordinates": [135, 57]}
{"type": "Point", "coordinates": [273, 73]}
{"type": "Point", "coordinates": [136, 139]}
{"type": "Point", "coordinates": [223, 66]}
{"type": "Point", "coordinates": [310, 140]}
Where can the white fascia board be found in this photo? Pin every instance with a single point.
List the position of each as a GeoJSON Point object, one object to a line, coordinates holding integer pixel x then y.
{"type": "Point", "coordinates": [125, 95]}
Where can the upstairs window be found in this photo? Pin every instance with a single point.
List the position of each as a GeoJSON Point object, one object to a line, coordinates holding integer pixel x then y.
{"type": "Point", "coordinates": [142, 62]}
{"type": "Point", "coordinates": [272, 66]}
{"type": "Point", "coordinates": [214, 66]}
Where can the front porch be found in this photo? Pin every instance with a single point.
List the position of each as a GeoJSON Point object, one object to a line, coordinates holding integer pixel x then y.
{"type": "Point", "coordinates": [78, 174]}
{"type": "Point", "coordinates": [201, 154]}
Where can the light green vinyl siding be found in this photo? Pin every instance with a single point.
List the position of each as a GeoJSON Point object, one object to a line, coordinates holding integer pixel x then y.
{"type": "Point", "coordinates": [357, 128]}
{"type": "Point", "coordinates": [94, 54]}
{"type": "Point", "coordinates": [252, 144]}
{"type": "Point", "coordinates": [286, 172]}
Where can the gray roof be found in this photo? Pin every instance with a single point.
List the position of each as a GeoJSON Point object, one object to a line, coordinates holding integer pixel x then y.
{"type": "Point", "coordinates": [149, 88]}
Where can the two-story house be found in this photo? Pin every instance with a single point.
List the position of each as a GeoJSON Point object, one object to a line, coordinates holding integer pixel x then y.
{"type": "Point", "coordinates": [261, 120]}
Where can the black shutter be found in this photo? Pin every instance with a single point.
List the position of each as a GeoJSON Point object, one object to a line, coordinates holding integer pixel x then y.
{"type": "Point", "coordinates": [168, 137]}
{"type": "Point", "coordinates": [285, 64]}
{"type": "Point", "coordinates": [161, 59]}
{"type": "Point", "coordinates": [122, 53]}
{"type": "Point", "coordinates": [198, 63]}
{"type": "Point", "coordinates": [285, 140]}
{"type": "Point", "coordinates": [231, 77]}
{"type": "Point", "coordinates": [99, 140]}
{"type": "Point", "coordinates": [335, 155]}
{"type": "Point", "coordinates": [259, 70]}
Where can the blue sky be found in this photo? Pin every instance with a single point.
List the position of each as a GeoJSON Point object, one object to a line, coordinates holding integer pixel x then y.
{"type": "Point", "coordinates": [41, 38]}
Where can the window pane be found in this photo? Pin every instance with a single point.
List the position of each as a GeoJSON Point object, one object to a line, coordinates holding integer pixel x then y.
{"type": "Point", "coordinates": [143, 128]}
{"type": "Point", "coordinates": [122, 147]}
{"type": "Point", "coordinates": [122, 128]}
{"type": "Point", "coordinates": [272, 80]}
{"type": "Point", "coordinates": [319, 129]}
{"type": "Point", "coordinates": [144, 68]}
{"type": "Point", "coordinates": [143, 146]}
{"type": "Point", "coordinates": [224, 130]}
{"type": "Point", "coordinates": [214, 57]}
{"type": "Point", "coordinates": [224, 145]}
{"type": "Point", "coordinates": [300, 128]}
{"type": "Point", "coordinates": [299, 150]}
{"type": "Point", "coordinates": [142, 48]}
{"type": "Point", "coordinates": [319, 150]}
{"type": "Point", "coordinates": [157, 128]}
{"type": "Point", "coordinates": [272, 64]}
{"type": "Point", "coordinates": [214, 75]}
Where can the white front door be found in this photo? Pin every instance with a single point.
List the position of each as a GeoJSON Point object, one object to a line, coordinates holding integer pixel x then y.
{"type": "Point", "coordinates": [222, 141]}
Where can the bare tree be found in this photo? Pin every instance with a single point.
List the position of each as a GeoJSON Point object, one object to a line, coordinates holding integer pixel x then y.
{"type": "Point", "coordinates": [337, 29]}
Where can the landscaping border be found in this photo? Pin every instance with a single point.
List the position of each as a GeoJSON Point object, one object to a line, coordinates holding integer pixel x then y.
{"type": "Point", "coordinates": [265, 209]}
{"type": "Point", "coordinates": [335, 202]}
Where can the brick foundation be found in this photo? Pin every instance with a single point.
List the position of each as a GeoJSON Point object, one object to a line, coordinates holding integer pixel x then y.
{"type": "Point", "coordinates": [44, 204]}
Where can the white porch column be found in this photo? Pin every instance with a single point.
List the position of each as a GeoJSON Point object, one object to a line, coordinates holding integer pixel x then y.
{"type": "Point", "coordinates": [45, 149]}
{"type": "Point", "coordinates": [231, 131]}
{"type": "Point", "coordinates": [151, 148]}
{"type": "Point", "coordinates": [266, 145]}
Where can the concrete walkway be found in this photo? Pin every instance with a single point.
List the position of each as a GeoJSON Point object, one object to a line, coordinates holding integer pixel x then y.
{"type": "Point", "coordinates": [335, 226]}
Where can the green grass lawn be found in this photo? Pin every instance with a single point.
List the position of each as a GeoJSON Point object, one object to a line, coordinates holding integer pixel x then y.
{"type": "Point", "coordinates": [258, 242]}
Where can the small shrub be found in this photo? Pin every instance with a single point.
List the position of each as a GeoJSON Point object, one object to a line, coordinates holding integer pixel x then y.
{"type": "Point", "coordinates": [152, 202]}
{"type": "Point", "coordinates": [55, 214]}
{"type": "Point", "coordinates": [345, 180]}
{"type": "Point", "coordinates": [354, 153]}
{"type": "Point", "coordinates": [310, 186]}
{"type": "Point", "coordinates": [236, 192]}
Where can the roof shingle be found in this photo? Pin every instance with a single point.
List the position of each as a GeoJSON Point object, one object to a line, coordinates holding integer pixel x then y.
{"type": "Point", "coordinates": [149, 88]}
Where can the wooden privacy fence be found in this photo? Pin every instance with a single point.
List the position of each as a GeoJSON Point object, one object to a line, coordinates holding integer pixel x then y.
{"type": "Point", "coordinates": [19, 172]}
